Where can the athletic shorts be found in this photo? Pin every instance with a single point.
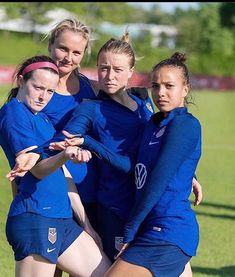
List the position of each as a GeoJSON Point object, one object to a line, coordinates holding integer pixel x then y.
{"type": "Point", "coordinates": [110, 229]}
{"type": "Point", "coordinates": [161, 258]}
{"type": "Point", "coordinates": [29, 233]}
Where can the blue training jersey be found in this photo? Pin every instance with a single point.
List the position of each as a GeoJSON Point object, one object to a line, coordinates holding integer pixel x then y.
{"type": "Point", "coordinates": [20, 129]}
{"type": "Point", "coordinates": [119, 129]}
{"type": "Point", "coordinates": [169, 153]}
{"type": "Point", "coordinates": [59, 111]}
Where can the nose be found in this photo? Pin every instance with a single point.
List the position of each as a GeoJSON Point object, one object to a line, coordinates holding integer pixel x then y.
{"type": "Point", "coordinates": [68, 56]}
{"type": "Point", "coordinates": [111, 74]}
{"type": "Point", "coordinates": [42, 95]}
{"type": "Point", "coordinates": [161, 91]}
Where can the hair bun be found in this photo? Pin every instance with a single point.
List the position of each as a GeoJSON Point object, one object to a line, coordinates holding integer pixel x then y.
{"type": "Point", "coordinates": [181, 57]}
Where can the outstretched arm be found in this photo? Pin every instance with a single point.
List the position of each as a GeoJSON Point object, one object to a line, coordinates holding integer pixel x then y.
{"type": "Point", "coordinates": [28, 162]}
{"type": "Point", "coordinates": [121, 162]}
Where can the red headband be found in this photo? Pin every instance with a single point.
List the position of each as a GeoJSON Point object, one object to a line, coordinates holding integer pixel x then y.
{"type": "Point", "coordinates": [38, 65]}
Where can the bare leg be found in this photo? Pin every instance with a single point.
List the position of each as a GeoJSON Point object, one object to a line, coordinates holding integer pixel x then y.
{"type": "Point", "coordinates": [83, 258]}
{"type": "Point", "coordinates": [123, 269]}
{"type": "Point", "coordinates": [35, 266]}
{"type": "Point", "coordinates": [187, 271]}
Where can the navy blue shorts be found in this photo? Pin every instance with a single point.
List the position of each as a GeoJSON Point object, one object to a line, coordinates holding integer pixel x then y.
{"type": "Point", "coordinates": [30, 233]}
{"type": "Point", "coordinates": [160, 257]}
{"type": "Point", "coordinates": [110, 229]}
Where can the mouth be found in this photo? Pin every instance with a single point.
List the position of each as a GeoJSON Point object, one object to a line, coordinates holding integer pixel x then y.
{"type": "Point", "coordinates": [110, 85]}
{"type": "Point", "coordinates": [62, 64]}
{"type": "Point", "coordinates": [162, 102]}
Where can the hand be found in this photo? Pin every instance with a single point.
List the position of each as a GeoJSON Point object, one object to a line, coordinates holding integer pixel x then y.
{"type": "Point", "coordinates": [60, 145]}
{"type": "Point", "coordinates": [197, 190]}
{"type": "Point", "coordinates": [78, 155]}
{"type": "Point", "coordinates": [73, 140]}
{"type": "Point", "coordinates": [124, 247]}
{"type": "Point", "coordinates": [24, 163]}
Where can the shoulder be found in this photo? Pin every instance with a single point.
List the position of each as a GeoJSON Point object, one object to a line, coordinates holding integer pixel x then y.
{"type": "Point", "coordinates": [186, 122]}
{"type": "Point", "coordinates": [140, 92]}
{"type": "Point", "coordinates": [12, 108]}
{"type": "Point", "coordinates": [91, 83]}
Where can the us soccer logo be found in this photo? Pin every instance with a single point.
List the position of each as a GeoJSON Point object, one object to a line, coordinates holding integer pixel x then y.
{"type": "Point", "coordinates": [118, 243]}
{"type": "Point", "coordinates": [52, 235]}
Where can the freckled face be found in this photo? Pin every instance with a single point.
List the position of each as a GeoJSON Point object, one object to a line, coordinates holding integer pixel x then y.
{"type": "Point", "coordinates": [68, 51]}
{"type": "Point", "coordinates": [168, 88]}
{"type": "Point", "coordinates": [114, 72]}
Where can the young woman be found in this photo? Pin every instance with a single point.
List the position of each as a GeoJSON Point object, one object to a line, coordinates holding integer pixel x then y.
{"type": "Point", "coordinates": [68, 42]}
{"type": "Point", "coordinates": [161, 233]}
{"type": "Point", "coordinates": [40, 227]}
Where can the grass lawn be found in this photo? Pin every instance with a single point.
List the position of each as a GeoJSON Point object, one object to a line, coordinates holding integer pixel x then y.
{"type": "Point", "coordinates": [216, 172]}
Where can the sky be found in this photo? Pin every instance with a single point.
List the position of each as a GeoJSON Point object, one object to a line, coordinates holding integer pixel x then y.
{"type": "Point", "coordinates": [167, 6]}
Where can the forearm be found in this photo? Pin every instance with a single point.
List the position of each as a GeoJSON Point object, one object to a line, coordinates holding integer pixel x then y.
{"type": "Point", "coordinates": [120, 162]}
{"type": "Point", "coordinates": [78, 209]}
{"type": "Point", "coordinates": [49, 165]}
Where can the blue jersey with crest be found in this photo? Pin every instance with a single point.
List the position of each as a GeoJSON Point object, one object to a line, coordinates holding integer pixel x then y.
{"type": "Point", "coordinates": [119, 129]}
{"type": "Point", "coordinates": [59, 111]}
{"type": "Point", "coordinates": [169, 153]}
{"type": "Point", "coordinates": [20, 129]}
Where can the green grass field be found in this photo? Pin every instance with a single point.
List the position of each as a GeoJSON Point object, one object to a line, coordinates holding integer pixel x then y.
{"type": "Point", "coordinates": [216, 173]}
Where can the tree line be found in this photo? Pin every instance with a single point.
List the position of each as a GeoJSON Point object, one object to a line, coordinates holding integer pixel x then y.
{"type": "Point", "coordinates": [206, 34]}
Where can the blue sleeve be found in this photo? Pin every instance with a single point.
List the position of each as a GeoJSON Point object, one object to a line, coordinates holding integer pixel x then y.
{"type": "Point", "coordinates": [121, 162]}
{"type": "Point", "coordinates": [81, 120]}
{"type": "Point", "coordinates": [17, 130]}
{"type": "Point", "coordinates": [181, 138]}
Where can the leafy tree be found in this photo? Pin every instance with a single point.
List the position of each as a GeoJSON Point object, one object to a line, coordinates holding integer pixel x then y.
{"type": "Point", "coordinates": [227, 15]}
{"type": "Point", "coordinates": [34, 12]}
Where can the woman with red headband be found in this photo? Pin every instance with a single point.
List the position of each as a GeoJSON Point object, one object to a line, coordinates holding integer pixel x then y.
{"type": "Point", "coordinates": [40, 227]}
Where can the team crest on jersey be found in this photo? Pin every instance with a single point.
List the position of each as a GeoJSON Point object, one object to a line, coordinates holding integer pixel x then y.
{"type": "Point", "coordinates": [149, 107]}
{"type": "Point", "coordinates": [52, 235]}
{"type": "Point", "coordinates": [118, 243]}
{"type": "Point", "coordinates": [140, 175]}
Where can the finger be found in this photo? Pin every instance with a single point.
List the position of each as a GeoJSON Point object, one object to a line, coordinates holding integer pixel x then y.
{"type": "Point", "coordinates": [67, 134]}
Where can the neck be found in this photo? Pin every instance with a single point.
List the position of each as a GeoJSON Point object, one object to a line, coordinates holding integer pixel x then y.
{"type": "Point", "coordinates": [124, 99]}
{"type": "Point", "coordinates": [68, 84]}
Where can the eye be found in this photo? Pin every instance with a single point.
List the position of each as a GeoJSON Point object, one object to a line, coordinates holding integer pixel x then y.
{"type": "Point", "coordinates": [77, 53]}
{"type": "Point", "coordinates": [169, 86]}
{"type": "Point", "coordinates": [103, 68]}
{"type": "Point", "coordinates": [61, 48]}
{"type": "Point", "coordinates": [50, 91]}
{"type": "Point", "coordinates": [155, 86]}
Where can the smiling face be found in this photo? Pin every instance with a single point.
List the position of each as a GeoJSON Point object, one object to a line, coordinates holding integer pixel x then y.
{"type": "Point", "coordinates": [113, 71]}
{"type": "Point", "coordinates": [37, 91]}
{"type": "Point", "coordinates": [68, 50]}
{"type": "Point", "coordinates": [168, 88]}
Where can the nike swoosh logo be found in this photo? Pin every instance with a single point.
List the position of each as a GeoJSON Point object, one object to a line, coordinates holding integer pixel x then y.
{"type": "Point", "coordinates": [153, 142]}
{"type": "Point", "coordinates": [50, 250]}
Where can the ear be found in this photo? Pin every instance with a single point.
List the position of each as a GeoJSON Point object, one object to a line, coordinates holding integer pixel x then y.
{"type": "Point", "coordinates": [20, 81]}
{"type": "Point", "coordinates": [186, 90]}
{"type": "Point", "coordinates": [131, 71]}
